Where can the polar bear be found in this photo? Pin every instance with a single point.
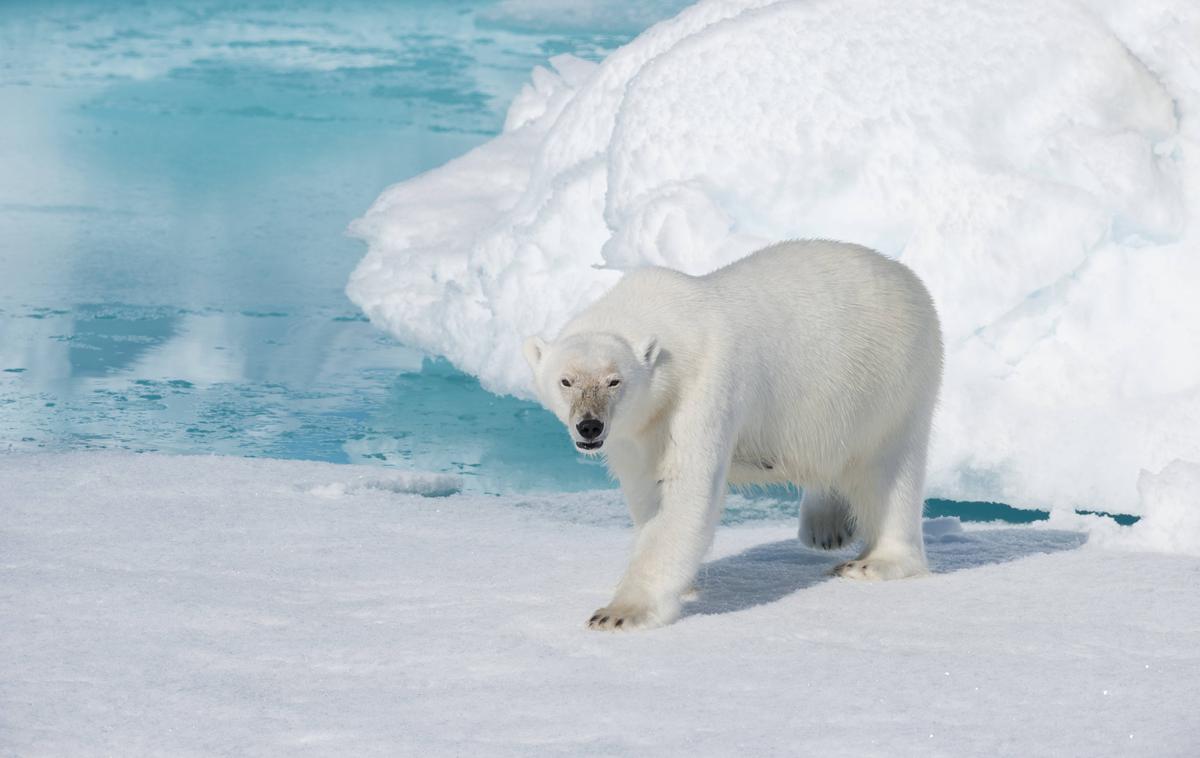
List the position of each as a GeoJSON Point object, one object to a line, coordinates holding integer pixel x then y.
{"type": "Point", "coordinates": [814, 363]}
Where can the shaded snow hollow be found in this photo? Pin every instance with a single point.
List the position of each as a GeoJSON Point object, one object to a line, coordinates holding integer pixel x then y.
{"type": "Point", "coordinates": [156, 605]}
{"type": "Point", "coordinates": [1035, 161]}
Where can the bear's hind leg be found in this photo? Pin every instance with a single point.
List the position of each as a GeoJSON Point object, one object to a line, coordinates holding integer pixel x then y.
{"type": "Point", "coordinates": [825, 522]}
{"type": "Point", "coordinates": [886, 503]}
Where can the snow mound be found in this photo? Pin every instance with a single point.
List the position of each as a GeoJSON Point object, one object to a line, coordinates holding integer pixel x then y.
{"type": "Point", "coordinates": [1169, 502]}
{"type": "Point", "coordinates": [1171, 508]}
{"type": "Point", "coordinates": [1035, 162]}
{"type": "Point", "coordinates": [942, 527]}
{"type": "Point", "coordinates": [402, 483]}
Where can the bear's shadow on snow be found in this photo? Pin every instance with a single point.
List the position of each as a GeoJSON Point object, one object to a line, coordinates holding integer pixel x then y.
{"type": "Point", "coordinates": [770, 572]}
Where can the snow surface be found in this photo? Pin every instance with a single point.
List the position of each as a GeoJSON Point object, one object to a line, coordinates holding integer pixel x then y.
{"type": "Point", "coordinates": [203, 605]}
{"type": "Point", "coordinates": [1170, 504]}
{"type": "Point", "coordinates": [1035, 161]}
{"type": "Point", "coordinates": [402, 482]}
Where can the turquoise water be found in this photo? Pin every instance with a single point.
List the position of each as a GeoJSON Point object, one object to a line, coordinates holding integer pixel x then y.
{"type": "Point", "coordinates": [175, 179]}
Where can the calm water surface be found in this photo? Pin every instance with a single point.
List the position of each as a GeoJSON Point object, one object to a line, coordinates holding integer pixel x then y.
{"type": "Point", "coordinates": [175, 179]}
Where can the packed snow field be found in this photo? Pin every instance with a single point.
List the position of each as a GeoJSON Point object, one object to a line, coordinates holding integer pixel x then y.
{"type": "Point", "coordinates": [1047, 192]}
{"type": "Point", "coordinates": [156, 605]}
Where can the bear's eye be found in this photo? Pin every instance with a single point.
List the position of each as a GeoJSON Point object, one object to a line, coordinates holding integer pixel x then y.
{"type": "Point", "coordinates": [614, 383]}
{"type": "Point", "coordinates": [565, 382]}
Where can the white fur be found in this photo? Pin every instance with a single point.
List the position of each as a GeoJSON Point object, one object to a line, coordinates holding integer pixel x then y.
{"type": "Point", "coordinates": [815, 363]}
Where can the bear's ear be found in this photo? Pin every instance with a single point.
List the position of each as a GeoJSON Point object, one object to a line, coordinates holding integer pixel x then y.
{"type": "Point", "coordinates": [648, 350]}
{"type": "Point", "coordinates": [534, 347]}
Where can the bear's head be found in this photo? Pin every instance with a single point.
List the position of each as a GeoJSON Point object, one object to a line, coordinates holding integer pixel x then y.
{"type": "Point", "coordinates": [598, 384]}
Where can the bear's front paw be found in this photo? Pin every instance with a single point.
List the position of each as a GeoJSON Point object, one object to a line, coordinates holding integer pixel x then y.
{"type": "Point", "coordinates": [622, 616]}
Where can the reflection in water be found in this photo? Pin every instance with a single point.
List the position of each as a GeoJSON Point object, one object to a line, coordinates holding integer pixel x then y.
{"type": "Point", "coordinates": [175, 185]}
{"type": "Point", "coordinates": [325, 387]}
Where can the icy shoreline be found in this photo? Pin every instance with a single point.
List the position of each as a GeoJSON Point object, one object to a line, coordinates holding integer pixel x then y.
{"type": "Point", "coordinates": [156, 605]}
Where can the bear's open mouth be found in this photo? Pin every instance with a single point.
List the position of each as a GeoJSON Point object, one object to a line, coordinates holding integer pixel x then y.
{"type": "Point", "coordinates": [589, 445]}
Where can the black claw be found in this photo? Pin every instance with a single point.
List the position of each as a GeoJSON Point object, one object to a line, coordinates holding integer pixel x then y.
{"type": "Point", "coordinates": [592, 620]}
{"type": "Point", "coordinates": [604, 620]}
{"type": "Point", "coordinates": [619, 622]}
{"type": "Point", "coordinates": [839, 541]}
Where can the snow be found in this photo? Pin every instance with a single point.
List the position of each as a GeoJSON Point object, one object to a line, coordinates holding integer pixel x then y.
{"type": "Point", "coordinates": [422, 483]}
{"type": "Point", "coordinates": [204, 605]}
{"type": "Point", "coordinates": [1170, 502]}
{"type": "Point", "coordinates": [1035, 162]}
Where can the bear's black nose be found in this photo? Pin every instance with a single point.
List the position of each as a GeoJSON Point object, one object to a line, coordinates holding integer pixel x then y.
{"type": "Point", "coordinates": [590, 428]}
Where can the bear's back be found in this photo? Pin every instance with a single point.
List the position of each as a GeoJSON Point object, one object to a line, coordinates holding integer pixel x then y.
{"type": "Point", "coordinates": [805, 300]}
{"type": "Point", "coordinates": [819, 285]}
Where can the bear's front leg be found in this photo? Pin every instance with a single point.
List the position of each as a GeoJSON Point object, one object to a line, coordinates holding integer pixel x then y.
{"type": "Point", "coordinates": [672, 543]}
{"type": "Point", "coordinates": [634, 467]}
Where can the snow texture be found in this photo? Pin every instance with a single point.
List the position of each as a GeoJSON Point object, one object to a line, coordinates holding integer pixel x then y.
{"type": "Point", "coordinates": [197, 606]}
{"type": "Point", "coordinates": [1170, 504]}
{"type": "Point", "coordinates": [1035, 161]}
{"type": "Point", "coordinates": [401, 482]}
